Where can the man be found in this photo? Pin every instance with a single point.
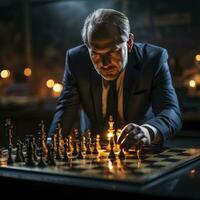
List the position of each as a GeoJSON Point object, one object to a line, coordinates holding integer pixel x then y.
{"type": "Point", "coordinates": [147, 106]}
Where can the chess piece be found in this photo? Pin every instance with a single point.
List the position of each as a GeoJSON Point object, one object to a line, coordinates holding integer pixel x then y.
{"type": "Point", "coordinates": [18, 157]}
{"type": "Point", "coordinates": [112, 153]}
{"type": "Point", "coordinates": [88, 150]}
{"type": "Point", "coordinates": [65, 157]}
{"type": "Point", "coordinates": [41, 162]}
{"type": "Point", "coordinates": [83, 143]}
{"type": "Point", "coordinates": [74, 152]}
{"type": "Point", "coordinates": [58, 149]}
{"type": "Point", "coordinates": [95, 151]}
{"type": "Point", "coordinates": [21, 150]}
{"type": "Point", "coordinates": [9, 128]}
{"type": "Point", "coordinates": [80, 156]}
{"type": "Point", "coordinates": [51, 155]}
{"type": "Point", "coordinates": [10, 159]}
{"type": "Point", "coordinates": [98, 141]}
{"type": "Point", "coordinates": [43, 137]}
{"type": "Point", "coordinates": [34, 150]}
{"type": "Point", "coordinates": [29, 154]}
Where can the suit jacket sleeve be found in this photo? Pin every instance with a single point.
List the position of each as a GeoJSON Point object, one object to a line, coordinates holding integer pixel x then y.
{"type": "Point", "coordinates": [165, 104]}
{"type": "Point", "coordinates": [68, 103]}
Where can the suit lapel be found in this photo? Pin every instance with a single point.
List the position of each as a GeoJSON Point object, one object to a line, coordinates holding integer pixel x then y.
{"type": "Point", "coordinates": [96, 85]}
{"type": "Point", "coordinates": [131, 76]}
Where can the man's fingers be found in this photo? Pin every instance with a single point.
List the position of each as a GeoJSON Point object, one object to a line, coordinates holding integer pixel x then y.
{"type": "Point", "coordinates": [127, 129]}
{"type": "Point", "coordinates": [129, 141]}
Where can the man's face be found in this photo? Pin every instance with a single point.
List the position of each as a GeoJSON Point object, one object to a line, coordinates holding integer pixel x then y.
{"type": "Point", "coordinates": [108, 54]}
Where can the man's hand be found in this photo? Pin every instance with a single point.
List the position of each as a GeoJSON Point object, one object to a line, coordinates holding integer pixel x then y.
{"type": "Point", "coordinates": [133, 135]}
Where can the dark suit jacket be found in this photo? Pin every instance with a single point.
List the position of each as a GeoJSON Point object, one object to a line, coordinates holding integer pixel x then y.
{"type": "Point", "coordinates": [149, 96]}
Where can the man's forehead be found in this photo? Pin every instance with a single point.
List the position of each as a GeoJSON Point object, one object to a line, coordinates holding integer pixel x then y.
{"type": "Point", "coordinates": [107, 43]}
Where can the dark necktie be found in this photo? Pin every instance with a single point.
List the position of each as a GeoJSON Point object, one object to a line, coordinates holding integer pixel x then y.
{"type": "Point", "coordinates": [112, 102]}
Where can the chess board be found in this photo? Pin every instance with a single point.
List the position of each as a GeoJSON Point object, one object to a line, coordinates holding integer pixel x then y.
{"type": "Point", "coordinates": [151, 165]}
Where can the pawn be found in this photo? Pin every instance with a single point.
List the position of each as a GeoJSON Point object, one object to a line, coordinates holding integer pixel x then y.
{"type": "Point", "coordinates": [79, 156]}
{"type": "Point", "coordinates": [95, 151]}
{"type": "Point", "coordinates": [98, 141]}
{"type": "Point", "coordinates": [88, 150]}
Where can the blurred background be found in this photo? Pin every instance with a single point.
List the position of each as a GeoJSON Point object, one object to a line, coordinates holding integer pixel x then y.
{"type": "Point", "coordinates": [34, 37]}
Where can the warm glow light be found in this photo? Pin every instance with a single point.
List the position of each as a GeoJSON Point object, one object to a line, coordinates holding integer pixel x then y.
{"type": "Point", "coordinates": [57, 87]}
{"type": "Point", "coordinates": [5, 73]}
{"type": "Point", "coordinates": [197, 57]}
{"type": "Point", "coordinates": [192, 83]}
{"type": "Point", "coordinates": [50, 83]}
{"type": "Point", "coordinates": [27, 71]}
{"type": "Point", "coordinates": [109, 135]}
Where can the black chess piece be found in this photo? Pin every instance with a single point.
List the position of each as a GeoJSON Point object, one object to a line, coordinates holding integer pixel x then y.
{"type": "Point", "coordinates": [43, 137]}
{"type": "Point", "coordinates": [58, 150]}
{"type": "Point", "coordinates": [112, 153]}
{"type": "Point", "coordinates": [10, 159]}
{"type": "Point", "coordinates": [74, 152]}
{"type": "Point", "coordinates": [18, 157]}
{"type": "Point", "coordinates": [30, 154]}
{"type": "Point", "coordinates": [41, 162]}
{"type": "Point", "coordinates": [80, 156]}
{"type": "Point", "coordinates": [21, 151]}
{"type": "Point", "coordinates": [95, 151]}
{"type": "Point", "coordinates": [65, 157]}
{"type": "Point", "coordinates": [34, 150]}
{"type": "Point", "coordinates": [51, 155]}
{"type": "Point", "coordinates": [9, 128]}
{"type": "Point", "coordinates": [88, 150]}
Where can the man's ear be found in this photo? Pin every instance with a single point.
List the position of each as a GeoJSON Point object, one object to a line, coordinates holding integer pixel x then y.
{"type": "Point", "coordinates": [130, 42]}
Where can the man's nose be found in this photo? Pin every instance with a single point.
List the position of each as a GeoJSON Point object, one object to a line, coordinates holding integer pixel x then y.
{"type": "Point", "coordinates": [105, 60]}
